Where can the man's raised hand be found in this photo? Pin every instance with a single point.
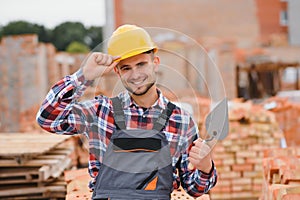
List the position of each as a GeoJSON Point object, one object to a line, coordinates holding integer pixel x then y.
{"type": "Point", "coordinates": [98, 64]}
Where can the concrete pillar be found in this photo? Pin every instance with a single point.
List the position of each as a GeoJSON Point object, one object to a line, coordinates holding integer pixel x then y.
{"type": "Point", "coordinates": [294, 22]}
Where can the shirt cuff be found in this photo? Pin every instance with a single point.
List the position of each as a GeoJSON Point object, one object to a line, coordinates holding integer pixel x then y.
{"type": "Point", "coordinates": [206, 180]}
{"type": "Point", "coordinates": [75, 86]}
{"type": "Point", "coordinates": [211, 170]}
{"type": "Point", "coordinates": [201, 176]}
{"type": "Point", "coordinates": [79, 80]}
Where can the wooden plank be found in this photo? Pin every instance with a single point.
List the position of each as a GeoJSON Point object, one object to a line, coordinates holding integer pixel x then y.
{"type": "Point", "coordinates": [36, 170]}
{"type": "Point", "coordinates": [24, 145]}
{"type": "Point", "coordinates": [50, 158]}
{"type": "Point", "coordinates": [52, 189]}
{"type": "Point", "coordinates": [30, 191]}
{"type": "Point", "coordinates": [30, 163]}
{"type": "Point", "coordinates": [268, 66]}
{"type": "Point", "coordinates": [13, 175]}
{"type": "Point", "coordinates": [19, 175]}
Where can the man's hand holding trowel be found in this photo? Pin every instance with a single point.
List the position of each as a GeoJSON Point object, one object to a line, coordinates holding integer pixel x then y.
{"type": "Point", "coordinates": [217, 127]}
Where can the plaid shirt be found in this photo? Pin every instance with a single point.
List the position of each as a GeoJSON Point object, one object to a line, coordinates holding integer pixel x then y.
{"type": "Point", "coordinates": [61, 113]}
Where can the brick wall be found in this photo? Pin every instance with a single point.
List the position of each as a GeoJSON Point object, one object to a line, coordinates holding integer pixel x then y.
{"type": "Point", "coordinates": [17, 62]}
{"type": "Point", "coordinates": [27, 71]}
{"type": "Point", "coordinates": [219, 26]}
{"type": "Point", "coordinates": [268, 14]}
{"type": "Point", "coordinates": [214, 18]}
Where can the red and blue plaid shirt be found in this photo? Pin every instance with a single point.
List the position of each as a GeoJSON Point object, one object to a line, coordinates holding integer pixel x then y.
{"type": "Point", "coordinates": [62, 113]}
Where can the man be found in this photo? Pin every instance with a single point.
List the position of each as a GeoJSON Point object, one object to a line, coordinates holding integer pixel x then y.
{"type": "Point", "coordinates": [140, 143]}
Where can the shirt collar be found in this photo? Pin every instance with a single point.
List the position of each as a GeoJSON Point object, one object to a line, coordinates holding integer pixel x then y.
{"type": "Point", "coordinates": [129, 102]}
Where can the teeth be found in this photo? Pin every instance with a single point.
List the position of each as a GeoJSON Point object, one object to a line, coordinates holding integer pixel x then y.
{"type": "Point", "coordinates": [137, 83]}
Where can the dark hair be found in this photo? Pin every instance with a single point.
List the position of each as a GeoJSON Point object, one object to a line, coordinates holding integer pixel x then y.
{"type": "Point", "coordinates": [149, 51]}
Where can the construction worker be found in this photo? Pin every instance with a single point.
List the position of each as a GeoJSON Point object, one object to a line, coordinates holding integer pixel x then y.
{"type": "Point", "coordinates": [140, 144]}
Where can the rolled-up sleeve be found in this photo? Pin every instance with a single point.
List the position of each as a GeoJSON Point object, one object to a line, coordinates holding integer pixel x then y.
{"type": "Point", "coordinates": [60, 112]}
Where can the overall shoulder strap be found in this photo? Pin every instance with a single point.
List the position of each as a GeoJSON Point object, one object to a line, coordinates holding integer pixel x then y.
{"type": "Point", "coordinates": [160, 123]}
{"type": "Point", "coordinates": [119, 116]}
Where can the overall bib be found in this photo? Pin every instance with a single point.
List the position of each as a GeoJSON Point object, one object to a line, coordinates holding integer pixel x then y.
{"type": "Point", "coordinates": [137, 164]}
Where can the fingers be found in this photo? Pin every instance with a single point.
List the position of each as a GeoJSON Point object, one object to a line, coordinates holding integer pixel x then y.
{"type": "Point", "coordinates": [104, 59]}
{"type": "Point", "coordinates": [198, 153]}
{"type": "Point", "coordinates": [200, 156]}
{"type": "Point", "coordinates": [99, 64]}
{"type": "Point", "coordinates": [199, 150]}
{"type": "Point", "coordinates": [116, 57]}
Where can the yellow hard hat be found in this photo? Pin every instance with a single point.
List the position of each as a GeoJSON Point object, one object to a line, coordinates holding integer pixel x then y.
{"type": "Point", "coordinates": [129, 40]}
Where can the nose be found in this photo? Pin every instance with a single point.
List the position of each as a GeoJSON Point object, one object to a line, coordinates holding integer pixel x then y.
{"type": "Point", "coordinates": [135, 73]}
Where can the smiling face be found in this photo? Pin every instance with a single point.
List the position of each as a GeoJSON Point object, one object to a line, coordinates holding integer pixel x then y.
{"type": "Point", "coordinates": [138, 73]}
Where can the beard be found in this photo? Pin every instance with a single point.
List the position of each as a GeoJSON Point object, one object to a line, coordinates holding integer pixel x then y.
{"type": "Point", "coordinates": [141, 91]}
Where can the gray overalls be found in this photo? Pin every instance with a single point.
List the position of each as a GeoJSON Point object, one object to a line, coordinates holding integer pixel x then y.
{"type": "Point", "coordinates": [137, 164]}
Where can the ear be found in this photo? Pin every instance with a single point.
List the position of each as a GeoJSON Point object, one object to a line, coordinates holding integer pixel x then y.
{"type": "Point", "coordinates": [116, 70]}
{"type": "Point", "coordinates": [156, 61]}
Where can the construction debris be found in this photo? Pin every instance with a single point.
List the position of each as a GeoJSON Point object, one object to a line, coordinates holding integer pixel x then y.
{"type": "Point", "coordinates": [287, 116]}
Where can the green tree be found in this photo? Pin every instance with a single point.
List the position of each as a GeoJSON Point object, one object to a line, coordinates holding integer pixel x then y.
{"type": "Point", "coordinates": [23, 27]}
{"type": "Point", "coordinates": [77, 47]}
{"type": "Point", "coordinates": [61, 36]}
{"type": "Point", "coordinates": [1, 32]}
{"type": "Point", "coordinates": [94, 36]}
{"type": "Point", "coordinates": [67, 32]}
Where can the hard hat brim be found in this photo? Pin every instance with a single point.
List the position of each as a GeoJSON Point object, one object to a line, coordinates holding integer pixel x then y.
{"type": "Point", "coordinates": [134, 53]}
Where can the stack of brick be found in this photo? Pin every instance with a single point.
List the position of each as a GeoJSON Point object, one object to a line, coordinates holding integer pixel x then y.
{"type": "Point", "coordinates": [281, 174]}
{"type": "Point", "coordinates": [239, 157]}
{"type": "Point", "coordinates": [77, 184]}
{"type": "Point", "coordinates": [287, 115]}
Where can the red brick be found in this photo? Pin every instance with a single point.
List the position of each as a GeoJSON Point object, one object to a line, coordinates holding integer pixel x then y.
{"type": "Point", "coordinates": [230, 175]}
{"type": "Point", "coordinates": [246, 154]}
{"type": "Point", "coordinates": [242, 181]}
{"type": "Point", "coordinates": [242, 167]}
{"type": "Point", "coordinates": [252, 174]}
{"type": "Point", "coordinates": [244, 194]}
{"type": "Point", "coordinates": [220, 195]}
{"type": "Point", "coordinates": [79, 196]}
{"type": "Point", "coordinates": [291, 197]}
{"type": "Point", "coordinates": [257, 160]}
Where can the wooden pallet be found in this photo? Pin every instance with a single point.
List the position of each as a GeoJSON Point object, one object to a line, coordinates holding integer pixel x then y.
{"type": "Point", "coordinates": [49, 158]}
{"type": "Point", "coordinates": [32, 165]}
{"type": "Point", "coordinates": [36, 170]}
{"type": "Point", "coordinates": [24, 146]}
{"type": "Point", "coordinates": [55, 190]}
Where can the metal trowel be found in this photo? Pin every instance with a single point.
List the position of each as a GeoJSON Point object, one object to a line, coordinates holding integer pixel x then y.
{"type": "Point", "coordinates": [216, 125]}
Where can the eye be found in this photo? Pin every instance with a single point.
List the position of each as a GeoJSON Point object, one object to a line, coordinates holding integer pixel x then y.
{"type": "Point", "coordinates": [141, 64]}
{"type": "Point", "coordinates": [125, 68]}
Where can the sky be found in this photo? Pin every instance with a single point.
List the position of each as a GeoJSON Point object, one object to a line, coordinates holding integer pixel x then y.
{"type": "Point", "coordinates": [51, 13]}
